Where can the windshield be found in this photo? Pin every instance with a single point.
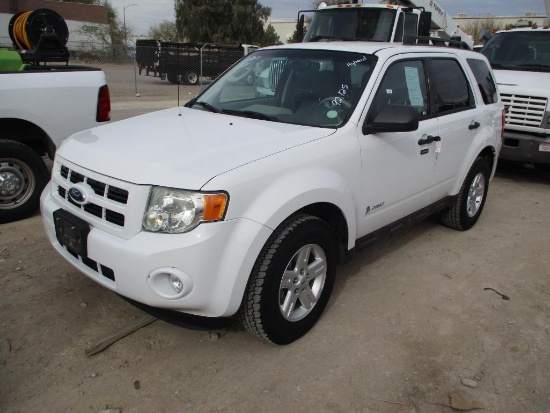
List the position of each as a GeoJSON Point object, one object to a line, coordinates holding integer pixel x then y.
{"type": "Point", "coordinates": [305, 87]}
{"type": "Point", "coordinates": [372, 24]}
{"type": "Point", "coordinates": [519, 50]}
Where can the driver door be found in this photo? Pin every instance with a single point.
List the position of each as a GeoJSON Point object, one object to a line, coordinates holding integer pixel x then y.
{"type": "Point", "coordinates": [397, 170]}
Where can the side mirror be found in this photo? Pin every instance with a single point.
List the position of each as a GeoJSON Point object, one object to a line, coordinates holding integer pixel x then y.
{"type": "Point", "coordinates": [300, 28]}
{"type": "Point", "coordinates": [392, 118]}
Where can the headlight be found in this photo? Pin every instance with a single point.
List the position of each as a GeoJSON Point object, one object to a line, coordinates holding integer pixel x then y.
{"type": "Point", "coordinates": [174, 210]}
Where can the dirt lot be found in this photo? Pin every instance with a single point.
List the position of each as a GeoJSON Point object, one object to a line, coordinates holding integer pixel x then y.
{"type": "Point", "coordinates": [408, 321]}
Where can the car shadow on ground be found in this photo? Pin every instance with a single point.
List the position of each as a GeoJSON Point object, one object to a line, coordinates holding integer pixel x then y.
{"type": "Point", "coordinates": [523, 172]}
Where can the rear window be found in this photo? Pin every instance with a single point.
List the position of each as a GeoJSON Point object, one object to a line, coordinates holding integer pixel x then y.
{"type": "Point", "coordinates": [484, 80]}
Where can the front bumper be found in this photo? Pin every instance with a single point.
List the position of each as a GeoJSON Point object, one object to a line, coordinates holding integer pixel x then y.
{"type": "Point", "coordinates": [520, 147]}
{"type": "Point", "coordinates": [213, 261]}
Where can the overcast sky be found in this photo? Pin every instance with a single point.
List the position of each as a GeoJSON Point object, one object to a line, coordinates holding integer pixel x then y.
{"type": "Point", "coordinates": [149, 12]}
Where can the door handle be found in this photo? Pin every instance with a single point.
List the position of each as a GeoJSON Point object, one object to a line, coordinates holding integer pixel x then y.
{"type": "Point", "coordinates": [474, 125]}
{"type": "Point", "coordinates": [429, 139]}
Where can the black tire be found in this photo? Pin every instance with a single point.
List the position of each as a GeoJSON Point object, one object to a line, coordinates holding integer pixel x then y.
{"type": "Point", "coordinates": [266, 294]}
{"type": "Point", "coordinates": [469, 203]}
{"type": "Point", "coordinates": [191, 77]}
{"type": "Point", "coordinates": [24, 176]}
{"type": "Point", "coordinates": [173, 78]}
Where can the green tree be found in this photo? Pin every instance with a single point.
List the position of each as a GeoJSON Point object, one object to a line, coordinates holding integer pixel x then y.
{"type": "Point", "coordinates": [270, 37]}
{"type": "Point", "coordinates": [221, 20]}
{"type": "Point", "coordinates": [165, 31]}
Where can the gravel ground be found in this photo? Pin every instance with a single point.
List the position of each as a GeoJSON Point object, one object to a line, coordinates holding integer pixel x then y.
{"type": "Point", "coordinates": [410, 327]}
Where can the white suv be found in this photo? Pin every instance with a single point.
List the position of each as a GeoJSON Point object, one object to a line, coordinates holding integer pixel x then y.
{"type": "Point", "coordinates": [245, 200]}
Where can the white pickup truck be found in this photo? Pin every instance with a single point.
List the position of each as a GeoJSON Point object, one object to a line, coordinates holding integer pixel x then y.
{"type": "Point", "coordinates": [41, 106]}
{"type": "Point", "coordinates": [521, 62]}
{"type": "Point", "coordinates": [245, 200]}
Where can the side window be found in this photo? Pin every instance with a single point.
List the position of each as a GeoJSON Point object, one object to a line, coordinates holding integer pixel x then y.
{"type": "Point", "coordinates": [484, 80]}
{"type": "Point", "coordinates": [399, 29]}
{"type": "Point", "coordinates": [452, 92]}
{"type": "Point", "coordinates": [403, 84]}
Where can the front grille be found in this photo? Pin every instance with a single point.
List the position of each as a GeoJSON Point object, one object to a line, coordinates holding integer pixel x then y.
{"type": "Point", "coordinates": [64, 171]}
{"type": "Point", "coordinates": [98, 187]}
{"type": "Point", "coordinates": [101, 190]}
{"type": "Point", "coordinates": [524, 110]}
{"type": "Point", "coordinates": [117, 194]}
{"type": "Point", "coordinates": [114, 217]}
{"type": "Point", "coordinates": [76, 177]}
{"type": "Point", "coordinates": [94, 210]}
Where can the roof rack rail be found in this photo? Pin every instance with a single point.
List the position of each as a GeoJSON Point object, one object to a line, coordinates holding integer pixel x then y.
{"type": "Point", "coordinates": [435, 41]}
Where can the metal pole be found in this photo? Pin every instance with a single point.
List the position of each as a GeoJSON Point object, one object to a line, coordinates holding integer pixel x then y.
{"type": "Point", "coordinates": [126, 45]}
{"type": "Point", "coordinates": [206, 44]}
{"type": "Point", "coordinates": [124, 24]}
{"type": "Point", "coordinates": [135, 74]}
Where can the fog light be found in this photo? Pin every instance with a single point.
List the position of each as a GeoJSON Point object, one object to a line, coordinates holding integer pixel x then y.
{"type": "Point", "coordinates": [170, 283]}
{"type": "Point", "coordinates": [176, 283]}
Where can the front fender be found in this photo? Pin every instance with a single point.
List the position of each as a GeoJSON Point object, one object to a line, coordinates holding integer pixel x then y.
{"type": "Point", "coordinates": [272, 189]}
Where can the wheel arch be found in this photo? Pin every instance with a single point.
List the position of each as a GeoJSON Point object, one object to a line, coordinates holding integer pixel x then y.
{"type": "Point", "coordinates": [488, 153]}
{"type": "Point", "coordinates": [336, 220]}
{"type": "Point", "coordinates": [28, 133]}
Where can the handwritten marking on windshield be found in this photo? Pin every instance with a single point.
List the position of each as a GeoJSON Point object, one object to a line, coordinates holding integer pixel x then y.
{"type": "Point", "coordinates": [341, 95]}
{"type": "Point", "coordinates": [354, 62]}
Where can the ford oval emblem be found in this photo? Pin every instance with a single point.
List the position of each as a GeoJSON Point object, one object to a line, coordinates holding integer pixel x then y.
{"type": "Point", "coordinates": [77, 195]}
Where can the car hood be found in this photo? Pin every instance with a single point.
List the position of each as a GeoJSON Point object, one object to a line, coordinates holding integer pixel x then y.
{"type": "Point", "coordinates": [524, 80]}
{"type": "Point", "coordinates": [181, 147]}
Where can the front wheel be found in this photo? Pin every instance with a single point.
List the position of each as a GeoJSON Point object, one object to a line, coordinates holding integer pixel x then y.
{"type": "Point", "coordinates": [466, 209]}
{"type": "Point", "coordinates": [291, 281]}
{"type": "Point", "coordinates": [23, 175]}
{"type": "Point", "coordinates": [174, 78]}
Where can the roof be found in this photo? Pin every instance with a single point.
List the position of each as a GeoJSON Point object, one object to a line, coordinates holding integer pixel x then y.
{"type": "Point", "coordinates": [526, 29]}
{"type": "Point", "coordinates": [372, 47]}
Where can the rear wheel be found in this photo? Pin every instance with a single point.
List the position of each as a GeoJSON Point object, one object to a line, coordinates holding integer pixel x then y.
{"type": "Point", "coordinates": [469, 203]}
{"type": "Point", "coordinates": [23, 175]}
{"type": "Point", "coordinates": [191, 77]}
{"type": "Point", "coordinates": [291, 281]}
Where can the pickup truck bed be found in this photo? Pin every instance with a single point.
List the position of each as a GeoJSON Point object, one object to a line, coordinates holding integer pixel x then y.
{"type": "Point", "coordinates": [40, 107]}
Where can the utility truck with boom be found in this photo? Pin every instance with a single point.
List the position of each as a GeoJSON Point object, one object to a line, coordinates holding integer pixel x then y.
{"type": "Point", "coordinates": [43, 101]}
{"type": "Point", "coordinates": [388, 21]}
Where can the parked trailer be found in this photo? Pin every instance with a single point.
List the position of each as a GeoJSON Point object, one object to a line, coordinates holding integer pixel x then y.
{"type": "Point", "coordinates": [187, 62]}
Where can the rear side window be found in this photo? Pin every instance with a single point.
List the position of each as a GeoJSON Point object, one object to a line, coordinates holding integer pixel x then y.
{"type": "Point", "coordinates": [484, 80]}
{"type": "Point", "coordinates": [452, 92]}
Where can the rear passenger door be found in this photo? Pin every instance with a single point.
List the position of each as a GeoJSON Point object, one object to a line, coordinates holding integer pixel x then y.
{"type": "Point", "coordinates": [453, 104]}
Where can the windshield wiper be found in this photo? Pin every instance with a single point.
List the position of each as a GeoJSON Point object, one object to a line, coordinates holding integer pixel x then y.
{"type": "Point", "coordinates": [534, 66]}
{"type": "Point", "coordinates": [344, 39]}
{"type": "Point", "coordinates": [250, 114]}
{"type": "Point", "coordinates": [317, 38]}
{"type": "Point", "coordinates": [206, 105]}
{"type": "Point", "coordinates": [500, 66]}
